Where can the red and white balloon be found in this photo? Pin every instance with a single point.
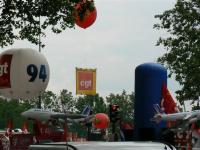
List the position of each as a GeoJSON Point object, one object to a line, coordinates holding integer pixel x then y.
{"type": "Point", "coordinates": [24, 73]}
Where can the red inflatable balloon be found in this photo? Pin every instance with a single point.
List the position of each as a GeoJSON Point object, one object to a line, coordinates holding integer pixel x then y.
{"type": "Point", "coordinates": [101, 121]}
{"type": "Point", "coordinates": [88, 19]}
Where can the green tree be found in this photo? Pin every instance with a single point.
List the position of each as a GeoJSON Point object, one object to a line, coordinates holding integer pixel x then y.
{"type": "Point", "coordinates": [11, 110]}
{"type": "Point", "coordinates": [66, 101]}
{"type": "Point", "coordinates": [95, 101]}
{"type": "Point", "coordinates": [183, 46]}
{"type": "Point", "coordinates": [49, 100]}
{"type": "Point", "coordinates": [125, 102]}
{"type": "Point", "coordinates": [28, 103]}
{"type": "Point", "coordinates": [27, 19]}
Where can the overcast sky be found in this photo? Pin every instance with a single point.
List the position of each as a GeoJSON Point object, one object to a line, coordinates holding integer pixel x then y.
{"type": "Point", "coordinates": [121, 38]}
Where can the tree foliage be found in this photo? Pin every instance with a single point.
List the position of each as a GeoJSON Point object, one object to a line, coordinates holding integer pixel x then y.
{"type": "Point", "coordinates": [125, 102]}
{"type": "Point", "coordinates": [27, 19]}
{"type": "Point", "coordinates": [66, 101]}
{"type": "Point", "coordinates": [49, 100]}
{"type": "Point", "coordinates": [11, 110]}
{"type": "Point", "coordinates": [183, 46]}
{"type": "Point", "coordinates": [95, 101]}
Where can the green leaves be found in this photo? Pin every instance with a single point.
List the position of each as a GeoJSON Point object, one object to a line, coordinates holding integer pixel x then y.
{"type": "Point", "coordinates": [183, 46]}
{"type": "Point", "coordinates": [13, 108]}
{"type": "Point", "coordinates": [27, 19]}
{"type": "Point", "coordinates": [95, 101]}
{"type": "Point", "coordinates": [125, 102]}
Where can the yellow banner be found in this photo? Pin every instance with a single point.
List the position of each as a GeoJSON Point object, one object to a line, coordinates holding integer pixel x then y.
{"type": "Point", "coordinates": [85, 81]}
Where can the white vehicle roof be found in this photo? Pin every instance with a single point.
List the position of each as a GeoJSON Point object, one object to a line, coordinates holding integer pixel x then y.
{"type": "Point", "coordinates": [105, 146]}
{"type": "Point", "coordinates": [121, 146]}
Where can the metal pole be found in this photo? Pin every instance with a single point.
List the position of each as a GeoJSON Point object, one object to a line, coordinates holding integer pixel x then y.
{"type": "Point", "coordinates": [39, 38]}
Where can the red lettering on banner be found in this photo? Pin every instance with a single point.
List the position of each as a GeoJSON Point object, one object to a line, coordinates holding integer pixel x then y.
{"type": "Point", "coordinates": [5, 63]}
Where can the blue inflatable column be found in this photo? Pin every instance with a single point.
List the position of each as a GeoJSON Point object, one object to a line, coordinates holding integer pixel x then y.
{"type": "Point", "coordinates": [149, 78]}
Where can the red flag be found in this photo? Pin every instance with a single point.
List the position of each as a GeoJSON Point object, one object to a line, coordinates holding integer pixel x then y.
{"type": "Point", "coordinates": [167, 102]}
{"type": "Point", "coordinates": [9, 128]}
{"type": "Point", "coordinates": [65, 131]}
{"type": "Point", "coordinates": [25, 128]}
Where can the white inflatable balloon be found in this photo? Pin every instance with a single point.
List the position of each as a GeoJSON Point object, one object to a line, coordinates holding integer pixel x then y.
{"type": "Point", "coordinates": [24, 73]}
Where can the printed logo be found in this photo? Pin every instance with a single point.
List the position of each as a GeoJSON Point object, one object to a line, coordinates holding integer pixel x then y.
{"type": "Point", "coordinates": [5, 63]}
{"type": "Point", "coordinates": [86, 80]}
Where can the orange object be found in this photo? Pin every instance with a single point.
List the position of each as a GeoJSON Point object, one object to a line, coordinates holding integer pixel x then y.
{"type": "Point", "coordinates": [9, 128]}
{"type": "Point", "coordinates": [25, 128]}
{"type": "Point", "coordinates": [65, 132]}
{"type": "Point", "coordinates": [88, 18]}
{"type": "Point", "coordinates": [101, 121]}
